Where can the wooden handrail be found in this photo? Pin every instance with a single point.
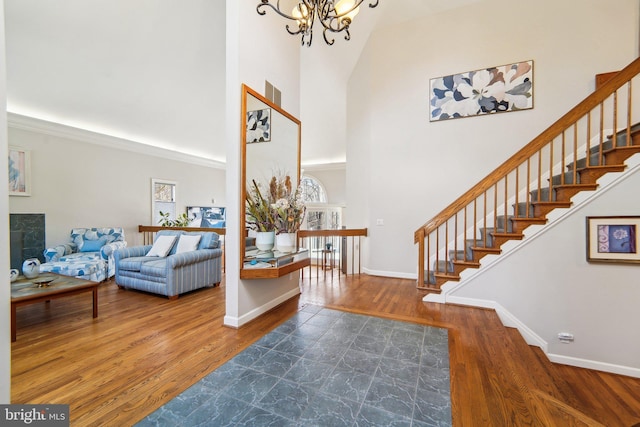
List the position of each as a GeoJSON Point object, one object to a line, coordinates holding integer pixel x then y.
{"type": "Point", "coordinates": [565, 122]}
{"type": "Point", "coordinates": [156, 228]}
{"type": "Point", "coordinates": [342, 232]}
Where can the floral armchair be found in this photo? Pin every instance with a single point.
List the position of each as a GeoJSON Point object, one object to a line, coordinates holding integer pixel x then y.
{"type": "Point", "coordinates": [89, 254]}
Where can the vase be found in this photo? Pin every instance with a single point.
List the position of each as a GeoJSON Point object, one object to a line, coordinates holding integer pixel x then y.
{"type": "Point", "coordinates": [13, 274]}
{"type": "Point", "coordinates": [31, 268]}
{"type": "Point", "coordinates": [265, 240]}
{"type": "Point", "coordinates": [286, 242]}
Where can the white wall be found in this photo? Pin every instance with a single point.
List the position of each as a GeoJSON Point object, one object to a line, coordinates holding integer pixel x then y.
{"type": "Point", "coordinates": [258, 49]}
{"type": "Point", "coordinates": [548, 285]}
{"type": "Point", "coordinates": [147, 70]}
{"type": "Point", "coordinates": [423, 166]}
{"type": "Point", "coordinates": [5, 290]}
{"type": "Point", "coordinates": [76, 183]}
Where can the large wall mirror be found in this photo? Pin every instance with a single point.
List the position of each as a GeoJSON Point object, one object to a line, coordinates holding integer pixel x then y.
{"type": "Point", "coordinates": [270, 145]}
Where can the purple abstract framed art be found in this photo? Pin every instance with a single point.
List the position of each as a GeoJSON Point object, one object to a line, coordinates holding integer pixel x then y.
{"type": "Point", "coordinates": [613, 239]}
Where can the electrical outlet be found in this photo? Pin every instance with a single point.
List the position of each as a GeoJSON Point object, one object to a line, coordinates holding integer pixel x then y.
{"type": "Point", "coordinates": [379, 221]}
{"type": "Point", "coordinates": [565, 337]}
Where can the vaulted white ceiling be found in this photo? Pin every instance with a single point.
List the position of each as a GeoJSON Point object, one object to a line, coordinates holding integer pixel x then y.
{"type": "Point", "coordinates": [151, 71]}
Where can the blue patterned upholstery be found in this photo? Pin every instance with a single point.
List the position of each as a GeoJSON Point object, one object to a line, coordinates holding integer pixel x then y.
{"type": "Point", "coordinates": [82, 266]}
{"type": "Point", "coordinates": [174, 274]}
{"type": "Point", "coordinates": [89, 255]}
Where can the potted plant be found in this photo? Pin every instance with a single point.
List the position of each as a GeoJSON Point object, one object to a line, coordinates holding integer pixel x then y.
{"type": "Point", "coordinates": [180, 221]}
{"type": "Point", "coordinates": [288, 211]}
{"type": "Point", "coordinates": [260, 217]}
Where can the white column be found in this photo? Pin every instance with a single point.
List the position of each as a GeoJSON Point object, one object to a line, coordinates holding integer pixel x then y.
{"type": "Point", "coordinates": [5, 289]}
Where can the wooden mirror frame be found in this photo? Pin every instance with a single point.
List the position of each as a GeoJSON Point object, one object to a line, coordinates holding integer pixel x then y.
{"type": "Point", "coordinates": [246, 92]}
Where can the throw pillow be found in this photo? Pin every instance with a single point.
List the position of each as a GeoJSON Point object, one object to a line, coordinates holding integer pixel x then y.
{"type": "Point", "coordinates": [92, 245]}
{"type": "Point", "coordinates": [188, 243]}
{"type": "Point", "coordinates": [162, 246]}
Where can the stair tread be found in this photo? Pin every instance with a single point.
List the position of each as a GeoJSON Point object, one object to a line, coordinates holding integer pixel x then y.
{"type": "Point", "coordinates": [486, 249]}
{"type": "Point", "coordinates": [472, 264]}
{"type": "Point", "coordinates": [446, 276]}
{"type": "Point", "coordinates": [544, 202]}
{"type": "Point", "coordinates": [594, 186]}
{"type": "Point", "coordinates": [603, 167]}
{"type": "Point", "coordinates": [529, 219]}
{"type": "Point", "coordinates": [430, 287]}
{"type": "Point", "coordinates": [515, 236]}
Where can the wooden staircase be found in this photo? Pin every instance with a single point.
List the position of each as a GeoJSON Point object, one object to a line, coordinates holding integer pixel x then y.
{"type": "Point", "coordinates": [593, 139]}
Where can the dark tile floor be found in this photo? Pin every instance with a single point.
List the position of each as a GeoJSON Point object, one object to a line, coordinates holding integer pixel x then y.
{"type": "Point", "coordinates": [325, 368]}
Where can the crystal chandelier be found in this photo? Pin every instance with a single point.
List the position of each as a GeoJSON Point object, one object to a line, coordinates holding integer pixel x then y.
{"type": "Point", "coordinates": [335, 16]}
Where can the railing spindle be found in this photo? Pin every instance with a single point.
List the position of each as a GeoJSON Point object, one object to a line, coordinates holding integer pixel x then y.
{"type": "Point", "coordinates": [601, 135]}
{"type": "Point", "coordinates": [629, 111]}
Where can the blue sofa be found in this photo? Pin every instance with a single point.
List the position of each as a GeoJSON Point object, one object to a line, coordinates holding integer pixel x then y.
{"type": "Point", "coordinates": [175, 273]}
{"type": "Point", "coordinates": [89, 254]}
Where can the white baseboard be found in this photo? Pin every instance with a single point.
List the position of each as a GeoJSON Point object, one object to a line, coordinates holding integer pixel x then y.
{"type": "Point", "coordinates": [393, 274]}
{"type": "Point", "coordinates": [236, 322]}
{"type": "Point", "coordinates": [592, 364]}
{"type": "Point", "coordinates": [507, 319]}
{"type": "Point", "coordinates": [531, 338]}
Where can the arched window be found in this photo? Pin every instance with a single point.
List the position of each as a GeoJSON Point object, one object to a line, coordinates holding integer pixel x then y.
{"type": "Point", "coordinates": [312, 190]}
{"type": "Point", "coordinates": [320, 215]}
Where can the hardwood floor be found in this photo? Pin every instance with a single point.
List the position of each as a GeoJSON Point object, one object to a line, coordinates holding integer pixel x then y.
{"type": "Point", "coordinates": [143, 350]}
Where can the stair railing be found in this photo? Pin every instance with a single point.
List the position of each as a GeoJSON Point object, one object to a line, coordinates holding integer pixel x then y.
{"type": "Point", "coordinates": [566, 158]}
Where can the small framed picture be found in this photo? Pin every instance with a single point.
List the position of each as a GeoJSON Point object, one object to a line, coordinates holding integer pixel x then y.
{"type": "Point", "coordinates": [613, 239]}
{"type": "Point", "coordinates": [206, 216]}
{"type": "Point", "coordinates": [259, 126]}
{"type": "Point", "coordinates": [19, 172]}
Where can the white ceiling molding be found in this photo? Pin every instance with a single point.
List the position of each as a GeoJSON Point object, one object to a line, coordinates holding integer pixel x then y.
{"type": "Point", "coordinates": [18, 121]}
{"type": "Point", "coordinates": [324, 166]}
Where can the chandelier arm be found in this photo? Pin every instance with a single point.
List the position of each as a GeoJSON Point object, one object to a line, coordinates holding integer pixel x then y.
{"type": "Point", "coordinates": [276, 9]}
{"type": "Point", "coordinates": [310, 34]}
{"type": "Point", "coordinates": [326, 40]}
{"type": "Point", "coordinates": [335, 24]}
{"type": "Point", "coordinates": [293, 33]}
{"type": "Point", "coordinates": [347, 34]}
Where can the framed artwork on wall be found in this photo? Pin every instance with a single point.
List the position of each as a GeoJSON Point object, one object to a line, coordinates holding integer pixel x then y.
{"type": "Point", "coordinates": [259, 126]}
{"type": "Point", "coordinates": [206, 216]}
{"type": "Point", "coordinates": [486, 91]}
{"type": "Point", "coordinates": [19, 172]}
{"type": "Point", "coordinates": [613, 239]}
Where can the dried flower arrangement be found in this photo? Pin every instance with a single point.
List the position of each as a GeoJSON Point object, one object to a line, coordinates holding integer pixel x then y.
{"type": "Point", "coordinates": [282, 210]}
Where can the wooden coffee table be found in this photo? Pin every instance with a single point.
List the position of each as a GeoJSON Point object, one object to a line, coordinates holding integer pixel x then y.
{"type": "Point", "coordinates": [45, 287]}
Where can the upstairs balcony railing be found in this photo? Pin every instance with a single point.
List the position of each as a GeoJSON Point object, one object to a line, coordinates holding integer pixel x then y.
{"type": "Point", "coordinates": [339, 249]}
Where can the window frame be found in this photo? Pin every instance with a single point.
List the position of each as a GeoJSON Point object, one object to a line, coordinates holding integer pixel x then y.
{"type": "Point", "coordinates": [155, 214]}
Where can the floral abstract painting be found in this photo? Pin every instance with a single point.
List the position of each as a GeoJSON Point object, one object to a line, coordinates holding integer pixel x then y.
{"type": "Point", "coordinates": [259, 126]}
{"type": "Point", "coordinates": [486, 91]}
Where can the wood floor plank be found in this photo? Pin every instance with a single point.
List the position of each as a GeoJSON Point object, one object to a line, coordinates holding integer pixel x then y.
{"type": "Point", "coordinates": [143, 350]}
